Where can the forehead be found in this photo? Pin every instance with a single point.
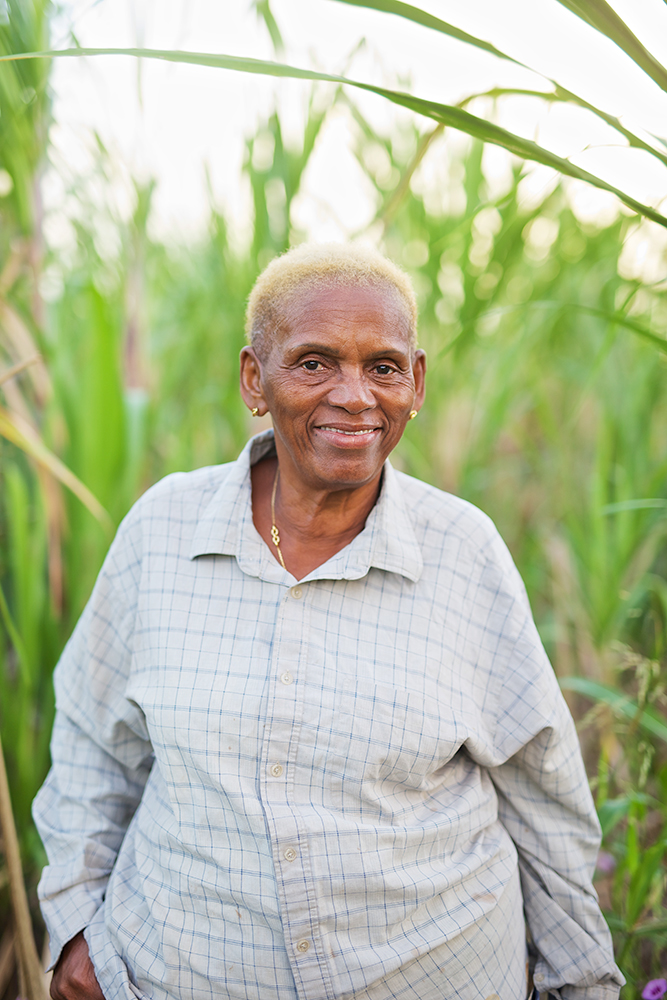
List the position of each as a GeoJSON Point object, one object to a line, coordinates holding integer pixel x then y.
{"type": "Point", "coordinates": [345, 309]}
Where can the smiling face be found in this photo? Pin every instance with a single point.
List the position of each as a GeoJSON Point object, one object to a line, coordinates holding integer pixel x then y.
{"type": "Point", "coordinates": [340, 380]}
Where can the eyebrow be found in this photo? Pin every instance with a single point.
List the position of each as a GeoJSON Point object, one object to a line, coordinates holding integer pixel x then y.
{"type": "Point", "coordinates": [317, 349]}
{"type": "Point", "coordinates": [333, 353]}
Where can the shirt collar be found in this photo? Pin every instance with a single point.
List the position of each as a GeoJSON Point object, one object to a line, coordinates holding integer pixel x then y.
{"type": "Point", "coordinates": [226, 527]}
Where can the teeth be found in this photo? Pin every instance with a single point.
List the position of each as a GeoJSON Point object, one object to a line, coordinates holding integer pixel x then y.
{"type": "Point", "coordinates": [351, 433]}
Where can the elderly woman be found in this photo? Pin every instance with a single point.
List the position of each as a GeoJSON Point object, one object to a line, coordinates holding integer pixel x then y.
{"type": "Point", "coordinates": [308, 744]}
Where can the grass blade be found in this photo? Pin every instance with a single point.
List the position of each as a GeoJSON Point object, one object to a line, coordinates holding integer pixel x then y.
{"type": "Point", "coordinates": [264, 11]}
{"type": "Point", "coordinates": [651, 503]}
{"type": "Point", "coordinates": [419, 16]}
{"type": "Point", "coordinates": [445, 114]}
{"type": "Point", "coordinates": [20, 433]}
{"type": "Point", "coordinates": [561, 95]}
{"type": "Point", "coordinates": [648, 719]}
{"type": "Point", "coordinates": [558, 94]}
{"type": "Point", "coordinates": [17, 368]}
{"type": "Point", "coordinates": [621, 320]}
{"type": "Point", "coordinates": [604, 19]}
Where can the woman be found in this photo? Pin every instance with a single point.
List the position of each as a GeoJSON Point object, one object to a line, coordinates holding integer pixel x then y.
{"type": "Point", "coordinates": [308, 743]}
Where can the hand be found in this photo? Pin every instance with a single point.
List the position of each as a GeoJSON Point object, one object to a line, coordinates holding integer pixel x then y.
{"type": "Point", "coordinates": [74, 976]}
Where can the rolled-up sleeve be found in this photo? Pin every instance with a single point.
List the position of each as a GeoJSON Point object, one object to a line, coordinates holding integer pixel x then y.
{"type": "Point", "coordinates": [101, 755]}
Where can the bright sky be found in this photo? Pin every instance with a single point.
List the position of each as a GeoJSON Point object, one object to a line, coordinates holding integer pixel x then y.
{"type": "Point", "coordinates": [179, 123]}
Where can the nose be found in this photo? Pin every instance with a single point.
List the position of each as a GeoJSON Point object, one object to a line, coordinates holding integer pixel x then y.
{"type": "Point", "coordinates": [352, 392]}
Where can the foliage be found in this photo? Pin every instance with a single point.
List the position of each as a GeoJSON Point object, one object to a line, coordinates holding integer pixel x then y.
{"type": "Point", "coordinates": [545, 407]}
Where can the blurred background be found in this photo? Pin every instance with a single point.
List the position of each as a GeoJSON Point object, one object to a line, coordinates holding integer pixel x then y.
{"type": "Point", "coordinates": [139, 199]}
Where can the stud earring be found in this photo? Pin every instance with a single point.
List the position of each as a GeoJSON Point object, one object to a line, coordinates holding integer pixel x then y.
{"type": "Point", "coordinates": [413, 414]}
{"type": "Point", "coordinates": [255, 411]}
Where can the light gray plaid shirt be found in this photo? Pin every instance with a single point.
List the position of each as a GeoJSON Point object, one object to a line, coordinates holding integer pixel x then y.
{"type": "Point", "coordinates": [347, 786]}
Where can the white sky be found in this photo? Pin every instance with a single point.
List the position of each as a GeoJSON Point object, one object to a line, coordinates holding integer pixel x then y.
{"type": "Point", "coordinates": [192, 120]}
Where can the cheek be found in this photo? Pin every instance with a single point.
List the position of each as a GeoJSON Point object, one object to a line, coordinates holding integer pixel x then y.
{"type": "Point", "coordinates": [294, 387]}
{"type": "Point", "coordinates": [398, 399]}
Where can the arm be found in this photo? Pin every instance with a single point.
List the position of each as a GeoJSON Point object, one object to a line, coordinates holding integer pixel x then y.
{"type": "Point", "coordinates": [545, 804]}
{"type": "Point", "coordinates": [101, 755]}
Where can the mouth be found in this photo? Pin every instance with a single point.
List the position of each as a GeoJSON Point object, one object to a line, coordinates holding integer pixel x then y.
{"type": "Point", "coordinates": [340, 430]}
{"type": "Point", "coordinates": [348, 437]}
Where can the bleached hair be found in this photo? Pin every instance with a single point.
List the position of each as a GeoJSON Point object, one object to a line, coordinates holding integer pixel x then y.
{"type": "Point", "coordinates": [320, 265]}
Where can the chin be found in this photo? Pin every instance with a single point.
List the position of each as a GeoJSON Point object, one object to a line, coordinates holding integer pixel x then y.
{"type": "Point", "coordinates": [346, 474]}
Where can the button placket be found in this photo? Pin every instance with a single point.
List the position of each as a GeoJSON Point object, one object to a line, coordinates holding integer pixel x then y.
{"type": "Point", "coordinates": [284, 712]}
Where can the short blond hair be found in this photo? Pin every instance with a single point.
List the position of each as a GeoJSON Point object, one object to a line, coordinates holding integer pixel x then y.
{"type": "Point", "coordinates": [313, 265]}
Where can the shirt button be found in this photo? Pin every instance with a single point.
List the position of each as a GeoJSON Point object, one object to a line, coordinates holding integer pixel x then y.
{"type": "Point", "coordinates": [539, 978]}
{"type": "Point", "coordinates": [286, 678]}
{"type": "Point", "coordinates": [303, 946]}
{"type": "Point", "coordinates": [296, 593]}
{"type": "Point", "coordinates": [276, 770]}
{"type": "Point", "coordinates": [290, 854]}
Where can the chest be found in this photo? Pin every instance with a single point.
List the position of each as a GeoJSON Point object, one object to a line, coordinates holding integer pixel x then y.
{"type": "Point", "coordinates": [371, 679]}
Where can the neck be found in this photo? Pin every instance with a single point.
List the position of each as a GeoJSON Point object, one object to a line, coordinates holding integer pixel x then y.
{"type": "Point", "coordinates": [314, 522]}
{"type": "Point", "coordinates": [324, 513]}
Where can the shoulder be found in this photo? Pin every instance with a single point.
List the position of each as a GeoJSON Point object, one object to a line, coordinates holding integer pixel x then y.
{"type": "Point", "coordinates": [179, 492]}
{"type": "Point", "coordinates": [439, 515]}
{"type": "Point", "coordinates": [460, 544]}
{"type": "Point", "coordinates": [165, 516]}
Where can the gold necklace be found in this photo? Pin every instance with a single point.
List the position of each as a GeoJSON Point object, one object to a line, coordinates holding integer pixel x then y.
{"type": "Point", "coordinates": [275, 537]}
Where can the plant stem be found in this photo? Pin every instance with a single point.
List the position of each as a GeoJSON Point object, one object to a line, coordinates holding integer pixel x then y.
{"type": "Point", "coordinates": [33, 983]}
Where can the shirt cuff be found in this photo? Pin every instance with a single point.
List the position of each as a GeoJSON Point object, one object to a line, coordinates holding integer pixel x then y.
{"type": "Point", "coordinates": [56, 948]}
{"type": "Point", "coordinates": [65, 915]}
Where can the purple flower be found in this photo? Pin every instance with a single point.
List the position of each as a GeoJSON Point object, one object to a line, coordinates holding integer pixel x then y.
{"type": "Point", "coordinates": [654, 989]}
{"type": "Point", "coordinates": [606, 863]}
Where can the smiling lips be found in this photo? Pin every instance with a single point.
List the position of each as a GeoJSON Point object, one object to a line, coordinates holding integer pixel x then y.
{"type": "Point", "coordinates": [343, 437]}
{"type": "Point", "coordinates": [339, 430]}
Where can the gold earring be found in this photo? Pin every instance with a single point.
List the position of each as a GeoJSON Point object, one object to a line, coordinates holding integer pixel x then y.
{"type": "Point", "coordinates": [413, 414]}
{"type": "Point", "coordinates": [255, 411]}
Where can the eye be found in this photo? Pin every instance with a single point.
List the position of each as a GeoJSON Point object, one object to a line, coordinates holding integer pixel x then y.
{"type": "Point", "coordinates": [384, 369]}
{"type": "Point", "coordinates": [311, 365]}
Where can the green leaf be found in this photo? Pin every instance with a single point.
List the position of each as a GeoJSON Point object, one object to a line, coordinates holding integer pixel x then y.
{"type": "Point", "coordinates": [621, 320]}
{"type": "Point", "coordinates": [648, 866]}
{"type": "Point", "coordinates": [649, 503]}
{"type": "Point", "coordinates": [446, 114]}
{"type": "Point", "coordinates": [648, 718]}
{"type": "Point", "coordinates": [563, 96]}
{"type": "Point", "coordinates": [20, 433]}
{"type": "Point", "coordinates": [604, 19]}
{"type": "Point", "coordinates": [612, 812]}
{"type": "Point", "coordinates": [14, 634]}
{"type": "Point", "coordinates": [429, 21]}
{"type": "Point", "coordinates": [650, 927]}
{"type": "Point", "coordinates": [264, 11]}
{"type": "Point", "coordinates": [559, 94]}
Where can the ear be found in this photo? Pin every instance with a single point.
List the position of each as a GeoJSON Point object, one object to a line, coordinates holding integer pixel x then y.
{"type": "Point", "coordinates": [251, 381]}
{"type": "Point", "coordinates": [419, 374]}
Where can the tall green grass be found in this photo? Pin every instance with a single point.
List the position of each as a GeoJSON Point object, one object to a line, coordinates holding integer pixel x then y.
{"type": "Point", "coordinates": [546, 407]}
